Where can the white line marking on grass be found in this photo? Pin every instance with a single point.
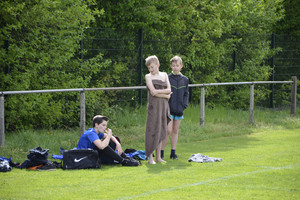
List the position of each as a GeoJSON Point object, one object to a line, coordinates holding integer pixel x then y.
{"type": "Point", "coordinates": [255, 187]}
{"type": "Point", "coordinates": [209, 181]}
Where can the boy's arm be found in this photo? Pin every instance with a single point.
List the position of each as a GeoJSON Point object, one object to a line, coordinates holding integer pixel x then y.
{"type": "Point", "coordinates": [166, 91]}
{"type": "Point", "coordinates": [186, 95]}
{"type": "Point", "coordinates": [118, 145]}
{"type": "Point", "coordinates": [152, 89]}
{"type": "Point", "coordinates": [104, 143]}
{"type": "Point", "coordinates": [150, 85]}
{"type": "Point", "coordinates": [166, 96]}
{"type": "Point", "coordinates": [168, 84]}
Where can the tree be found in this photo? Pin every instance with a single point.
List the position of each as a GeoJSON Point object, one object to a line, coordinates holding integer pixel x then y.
{"type": "Point", "coordinates": [206, 34]}
{"type": "Point", "coordinates": [290, 23]}
{"type": "Point", "coordinates": [40, 49]}
{"type": "Point", "coordinates": [40, 41]}
{"type": "Point", "coordinates": [287, 38]}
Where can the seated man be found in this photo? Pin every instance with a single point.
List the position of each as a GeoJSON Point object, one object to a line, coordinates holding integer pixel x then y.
{"type": "Point", "coordinates": [100, 138]}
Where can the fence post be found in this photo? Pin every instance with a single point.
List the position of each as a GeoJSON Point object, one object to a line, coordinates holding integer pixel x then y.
{"type": "Point", "coordinates": [294, 96]}
{"type": "Point", "coordinates": [251, 103]}
{"type": "Point", "coordinates": [2, 125]}
{"type": "Point", "coordinates": [202, 106]}
{"type": "Point", "coordinates": [141, 63]}
{"type": "Point", "coordinates": [273, 72]}
{"type": "Point", "coordinates": [82, 112]}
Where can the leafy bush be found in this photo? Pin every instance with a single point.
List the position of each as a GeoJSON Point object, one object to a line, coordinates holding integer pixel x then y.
{"type": "Point", "coordinates": [43, 46]}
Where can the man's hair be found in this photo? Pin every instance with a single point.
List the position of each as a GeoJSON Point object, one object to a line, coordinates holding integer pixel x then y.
{"type": "Point", "coordinates": [98, 119]}
{"type": "Point", "coordinates": [151, 59]}
{"type": "Point", "coordinates": [176, 59]}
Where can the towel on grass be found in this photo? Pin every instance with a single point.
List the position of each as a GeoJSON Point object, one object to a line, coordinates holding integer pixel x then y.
{"type": "Point", "coordinates": [200, 158]}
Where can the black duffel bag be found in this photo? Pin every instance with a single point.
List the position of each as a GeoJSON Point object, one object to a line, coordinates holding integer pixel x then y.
{"type": "Point", "coordinates": [80, 159]}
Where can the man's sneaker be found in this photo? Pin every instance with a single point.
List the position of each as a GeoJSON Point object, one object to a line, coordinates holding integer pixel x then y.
{"type": "Point", "coordinates": [173, 156]}
{"type": "Point", "coordinates": [130, 162]}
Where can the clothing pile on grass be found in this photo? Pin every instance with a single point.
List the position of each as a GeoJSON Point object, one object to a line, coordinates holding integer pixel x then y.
{"type": "Point", "coordinates": [37, 160]}
{"type": "Point", "coordinates": [6, 164]}
{"type": "Point", "coordinates": [200, 158]}
{"type": "Point", "coordinates": [136, 154]}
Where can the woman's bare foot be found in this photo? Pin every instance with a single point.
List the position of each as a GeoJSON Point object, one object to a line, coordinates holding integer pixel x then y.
{"type": "Point", "coordinates": [152, 162]}
{"type": "Point", "coordinates": [160, 160]}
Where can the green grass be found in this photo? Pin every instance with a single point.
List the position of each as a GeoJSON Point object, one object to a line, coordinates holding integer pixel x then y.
{"type": "Point", "coordinates": [260, 161]}
{"type": "Point", "coordinates": [129, 125]}
{"type": "Point", "coordinates": [264, 165]}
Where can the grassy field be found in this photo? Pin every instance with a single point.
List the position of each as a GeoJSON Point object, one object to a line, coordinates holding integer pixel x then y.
{"type": "Point", "coordinates": [264, 165]}
{"type": "Point", "coordinates": [260, 161]}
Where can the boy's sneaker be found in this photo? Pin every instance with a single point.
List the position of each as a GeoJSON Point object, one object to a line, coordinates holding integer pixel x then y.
{"type": "Point", "coordinates": [130, 162]}
{"type": "Point", "coordinates": [173, 156]}
{"type": "Point", "coordinates": [134, 160]}
{"type": "Point", "coordinates": [131, 159]}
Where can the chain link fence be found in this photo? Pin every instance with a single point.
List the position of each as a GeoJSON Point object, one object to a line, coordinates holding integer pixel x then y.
{"type": "Point", "coordinates": [285, 63]}
{"type": "Point", "coordinates": [130, 49]}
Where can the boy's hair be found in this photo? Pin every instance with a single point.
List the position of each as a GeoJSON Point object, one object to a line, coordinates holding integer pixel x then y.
{"type": "Point", "coordinates": [151, 59]}
{"type": "Point", "coordinates": [176, 59]}
{"type": "Point", "coordinates": [98, 119]}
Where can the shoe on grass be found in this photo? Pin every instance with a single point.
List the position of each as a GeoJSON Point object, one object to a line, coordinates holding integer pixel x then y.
{"type": "Point", "coordinates": [173, 156]}
{"type": "Point", "coordinates": [130, 162]}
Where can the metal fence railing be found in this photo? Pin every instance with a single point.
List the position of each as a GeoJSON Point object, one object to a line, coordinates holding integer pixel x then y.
{"type": "Point", "coordinates": [202, 102]}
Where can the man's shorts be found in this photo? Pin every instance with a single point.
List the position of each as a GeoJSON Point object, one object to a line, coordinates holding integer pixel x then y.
{"type": "Point", "coordinates": [175, 117]}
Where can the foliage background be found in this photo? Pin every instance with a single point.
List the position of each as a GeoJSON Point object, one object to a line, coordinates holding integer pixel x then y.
{"type": "Point", "coordinates": [41, 48]}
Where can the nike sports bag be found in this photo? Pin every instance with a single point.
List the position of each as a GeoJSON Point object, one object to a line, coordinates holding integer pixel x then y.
{"type": "Point", "coordinates": [80, 159]}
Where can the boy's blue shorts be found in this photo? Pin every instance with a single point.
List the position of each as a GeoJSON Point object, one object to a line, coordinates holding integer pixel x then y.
{"type": "Point", "coordinates": [175, 117]}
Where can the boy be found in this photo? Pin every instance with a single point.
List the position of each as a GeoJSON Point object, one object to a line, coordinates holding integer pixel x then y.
{"type": "Point", "coordinates": [100, 138]}
{"type": "Point", "coordinates": [158, 113]}
{"type": "Point", "coordinates": [178, 103]}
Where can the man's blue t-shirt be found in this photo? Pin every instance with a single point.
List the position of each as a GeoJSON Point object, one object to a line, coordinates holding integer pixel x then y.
{"type": "Point", "coordinates": [87, 139]}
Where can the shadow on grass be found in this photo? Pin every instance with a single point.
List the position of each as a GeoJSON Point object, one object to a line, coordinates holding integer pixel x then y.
{"type": "Point", "coordinates": [209, 147]}
{"type": "Point", "coordinates": [170, 165]}
{"type": "Point", "coordinates": [219, 147]}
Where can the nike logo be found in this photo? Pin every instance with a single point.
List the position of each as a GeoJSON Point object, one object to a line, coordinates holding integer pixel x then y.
{"type": "Point", "coordinates": [78, 160]}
